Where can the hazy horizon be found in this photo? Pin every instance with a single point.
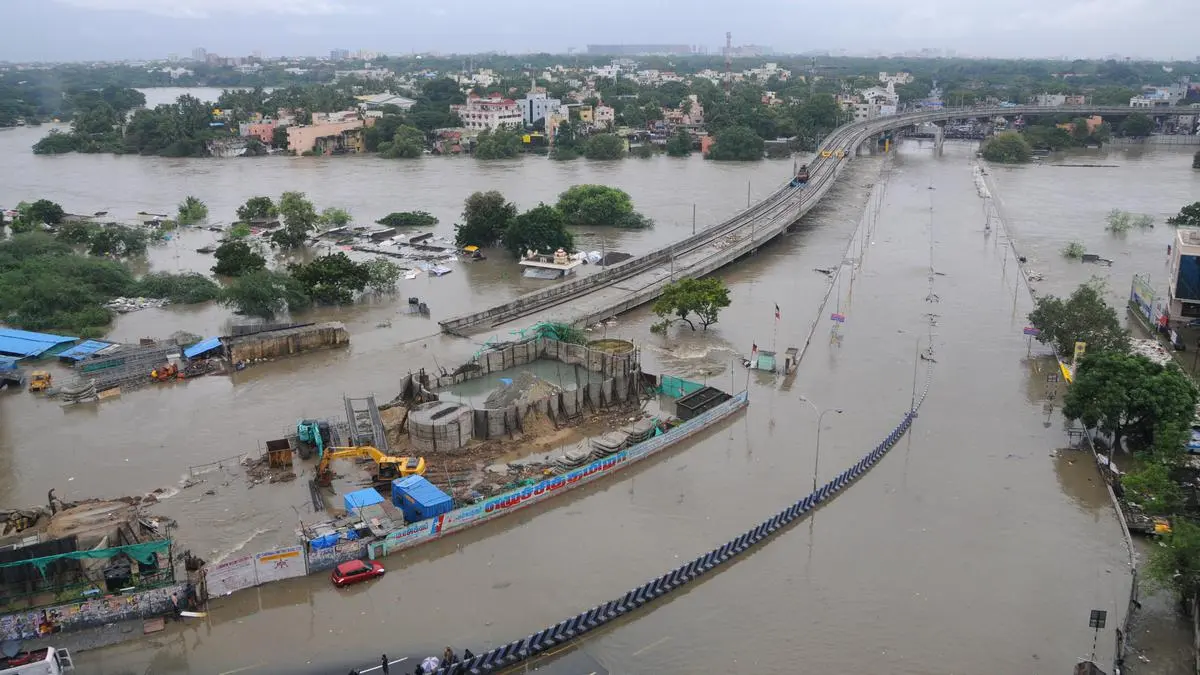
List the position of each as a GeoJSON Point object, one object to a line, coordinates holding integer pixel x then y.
{"type": "Point", "coordinates": [85, 30]}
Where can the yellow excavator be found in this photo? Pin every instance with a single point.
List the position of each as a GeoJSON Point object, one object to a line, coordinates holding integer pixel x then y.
{"type": "Point", "coordinates": [387, 467]}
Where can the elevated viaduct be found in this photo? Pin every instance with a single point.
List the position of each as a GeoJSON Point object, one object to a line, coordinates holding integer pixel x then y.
{"type": "Point", "coordinates": [639, 280]}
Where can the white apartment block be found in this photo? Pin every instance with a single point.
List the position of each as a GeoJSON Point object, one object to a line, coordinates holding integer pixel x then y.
{"type": "Point", "coordinates": [536, 106]}
{"type": "Point", "coordinates": [489, 113]}
{"type": "Point", "coordinates": [895, 78]}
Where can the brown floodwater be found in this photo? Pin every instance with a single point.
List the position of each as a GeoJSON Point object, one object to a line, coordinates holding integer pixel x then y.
{"type": "Point", "coordinates": [977, 546]}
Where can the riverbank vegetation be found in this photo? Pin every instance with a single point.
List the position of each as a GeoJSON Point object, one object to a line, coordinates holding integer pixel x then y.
{"type": "Point", "coordinates": [1074, 251]}
{"type": "Point", "coordinates": [408, 219]}
{"type": "Point", "coordinates": [489, 219]}
{"type": "Point", "coordinates": [1007, 148]}
{"type": "Point", "coordinates": [46, 284]}
{"type": "Point", "coordinates": [1188, 216]}
{"type": "Point", "coordinates": [1133, 404]}
{"type": "Point", "coordinates": [600, 206]}
{"type": "Point", "coordinates": [736, 143]}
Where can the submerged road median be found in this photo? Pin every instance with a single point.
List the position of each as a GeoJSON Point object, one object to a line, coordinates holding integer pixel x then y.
{"type": "Point", "coordinates": [640, 280]}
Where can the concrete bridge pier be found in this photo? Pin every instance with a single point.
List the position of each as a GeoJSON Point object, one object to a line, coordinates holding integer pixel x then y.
{"type": "Point", "coordinates": [939, 139]}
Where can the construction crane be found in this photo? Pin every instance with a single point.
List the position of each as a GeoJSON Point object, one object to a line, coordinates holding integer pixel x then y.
{"type": "Point", "coordinates": [387, 467]}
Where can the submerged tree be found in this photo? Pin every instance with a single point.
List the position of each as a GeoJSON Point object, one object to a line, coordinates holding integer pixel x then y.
{"type": "Point", "coordinates": [1188, 216]}
{"type": "Point", "coordinates": [703, 297]}
{"type": "Point", "coordinates": [541, 228]}
{"type": "Point", "coordinates": [257, 208]}
{"type": "Point", "coordinates": [192, 211]}
{"type": "Point", "coordinates": [265, 294]}
{"type": "Point", "coordinates": [485, 217]}
{"type": "Point", "coordinates": [299, 218]}
{"type": "Point", "coordinates": [1084, 317]}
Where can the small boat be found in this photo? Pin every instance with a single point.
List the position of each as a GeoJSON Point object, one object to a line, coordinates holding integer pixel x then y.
{"type": "Point", "coordinates": [206, 249]}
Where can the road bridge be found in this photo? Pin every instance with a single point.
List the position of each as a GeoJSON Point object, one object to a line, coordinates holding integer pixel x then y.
{"type": "Point", "coordinates": [640, 280]}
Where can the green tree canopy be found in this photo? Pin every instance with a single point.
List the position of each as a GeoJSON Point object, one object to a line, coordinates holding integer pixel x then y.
{"type": "Point", "coordinates": [331, 279]}
{"type": "Point", "coordinates": [407, 143]}
{"type": "Point", "coordinates": [541, 228]}
{"type": "Point", "coordinates": [1188, 216]}
{"type": "Point", "coordinates": [335, 217]}
{"type": "Point", "coordinates": [299, 218]}
{"type": "Point", "coordinates": [703, 297]}
{"type": "Point", "coordinates": [1137, 125]}
{"type": "Point", "coordinates": [1130, 396]}
{"type": "Point", "coordinates": [265, 294]}
{"type": "Point", "coordinates": [1176, 564]}
{"type": "Point", "coordinates": [680, 143]}
{"type": "Point", "coordinates": [408, 219]}
{"type": "Point", "coordinates": [600, 206]}
{"type": "Point", "coordinates": [117, 241]}
{"type": "Point", "coordinates": [1153, 489]}
{"type": "Point", "coordinates": [1007, 148]}
{"type": "Point", "coordinates": [566, 145]}
{"type": "Point", "coordinates": [44, 211]}
{"type": "Point", "coordinates": [486, 216]}
{"type": "Point", "coordinates": [187, 288]}
{"type": "Point", "coordinates": [498, 144]}
{"type": "Point", "coordinates": [236, 258]}
{"type": "Point", "coordinates": [382, 275]}
{"type": "Point", "coordinates": [191, 211]}
{"type": "Point", "coordinates": [736, 143]}
{"type": "Point", "coordinates": [604, 146]}
{"type": "Point", "coordinates": [1083, 317]}
{"type": "Point", "coordinates": [279, 137]}
{"type": "Point", "coordinates": [257, 208]}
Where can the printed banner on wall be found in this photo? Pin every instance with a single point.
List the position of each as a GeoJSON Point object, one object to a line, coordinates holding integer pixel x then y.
{"type": "Point", "coordinates": [230, 575]}
{"type": "Point", "coordinates": [279, 564]}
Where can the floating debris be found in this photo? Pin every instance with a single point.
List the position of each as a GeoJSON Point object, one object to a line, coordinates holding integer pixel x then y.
{"type": "Point", "coordinates": [126, 305]}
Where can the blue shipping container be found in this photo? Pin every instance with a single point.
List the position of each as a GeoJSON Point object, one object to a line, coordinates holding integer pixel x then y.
{"type": "Point", "coordinates": [419, 499]}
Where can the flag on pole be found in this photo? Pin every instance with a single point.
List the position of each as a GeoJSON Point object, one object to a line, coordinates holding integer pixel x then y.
{"type": "Point", "coordinates": [838, 317]}
{"type": "Point", "coordinates": [753, 350]}
{"type": "Point", "coordinates": [776, 311]}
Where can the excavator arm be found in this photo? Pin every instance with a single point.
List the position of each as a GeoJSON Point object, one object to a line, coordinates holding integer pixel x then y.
{"type": "Point", "coordinates": [386, 466]}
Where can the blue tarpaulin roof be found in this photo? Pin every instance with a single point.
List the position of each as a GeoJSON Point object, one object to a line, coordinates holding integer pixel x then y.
{"type": "Point", "coordinates": [83, 350]}
{"type": "Point", "coordinates": [8, 363]}
{"type": "Point", "coordinates": [22, 343]}
{"type": "Point", "coordinates": [202, 347]}
{"type": "Point", "coordinates": [361, 498]}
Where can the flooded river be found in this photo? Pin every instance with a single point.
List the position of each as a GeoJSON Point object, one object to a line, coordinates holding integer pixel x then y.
{"type": "Point", "coordinates": [975, 547]}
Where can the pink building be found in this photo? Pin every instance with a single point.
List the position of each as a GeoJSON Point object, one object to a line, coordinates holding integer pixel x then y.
{"type": "Point", "coordinates": [263, 131]}
{"type": "Point", "coordinates": [302, 139]}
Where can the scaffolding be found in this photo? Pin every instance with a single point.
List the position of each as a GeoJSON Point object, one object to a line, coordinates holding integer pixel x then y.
{"type": "Point", "coordinates": [365, 426]}
{"type": "Point", "coordinates": [126, 367]}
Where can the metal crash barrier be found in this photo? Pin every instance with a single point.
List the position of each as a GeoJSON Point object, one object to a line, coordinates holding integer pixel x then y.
{"type": "Point", "coordinates": [574, 627]}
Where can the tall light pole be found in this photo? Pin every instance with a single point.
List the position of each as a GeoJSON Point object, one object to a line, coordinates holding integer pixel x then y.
{"type": "Point", "coordinates": [820, 419]}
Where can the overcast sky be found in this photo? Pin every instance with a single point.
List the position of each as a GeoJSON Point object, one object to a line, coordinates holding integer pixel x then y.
{"type": "Point", "coordinates": [48, 30]}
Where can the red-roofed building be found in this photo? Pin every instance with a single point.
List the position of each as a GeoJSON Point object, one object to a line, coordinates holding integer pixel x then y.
{"type": "Point", "coordinates": [490, 113]}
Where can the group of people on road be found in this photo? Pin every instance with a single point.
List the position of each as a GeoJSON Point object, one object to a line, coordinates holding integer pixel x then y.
{"type": "Point", "coordinates": [427, 666]}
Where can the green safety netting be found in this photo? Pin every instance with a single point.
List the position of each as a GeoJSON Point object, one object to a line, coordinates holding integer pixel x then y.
{"type": "Point", "coordinates": [677, 387]}
{"type": "Point", "coordinates": [143, 553]}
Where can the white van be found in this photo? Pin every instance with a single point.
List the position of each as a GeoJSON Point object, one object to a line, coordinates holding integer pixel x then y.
{"type": "Point", "coordinates": [45, 661]}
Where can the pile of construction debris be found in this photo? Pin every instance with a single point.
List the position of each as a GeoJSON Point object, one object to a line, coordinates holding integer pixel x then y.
{"type": "Point", "coordinates": [523, 389]}
{"type": "Point", "coordinates": [126, 305]}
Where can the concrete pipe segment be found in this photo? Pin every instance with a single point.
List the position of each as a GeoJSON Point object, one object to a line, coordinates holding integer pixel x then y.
{"type": "Point", "coordinates": [588, 620]}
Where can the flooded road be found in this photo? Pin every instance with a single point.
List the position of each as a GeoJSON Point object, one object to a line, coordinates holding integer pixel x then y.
{"type": "Point", "coordinates": [976, 547]}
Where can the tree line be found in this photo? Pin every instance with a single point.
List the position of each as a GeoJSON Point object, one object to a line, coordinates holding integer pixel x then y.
{"type": "Point", "coordinates": [1137, 406]}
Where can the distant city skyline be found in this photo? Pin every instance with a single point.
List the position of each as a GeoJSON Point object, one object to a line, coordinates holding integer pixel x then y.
{"type": "Point", "coordinates": [81, 30]}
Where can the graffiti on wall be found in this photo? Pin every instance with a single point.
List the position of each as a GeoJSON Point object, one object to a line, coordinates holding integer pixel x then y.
{"type": "Point", "coordinates": [96, 611]}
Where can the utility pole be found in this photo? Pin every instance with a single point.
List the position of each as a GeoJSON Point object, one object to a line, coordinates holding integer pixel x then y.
{"type": "Point", "coordinates": [693, 217]}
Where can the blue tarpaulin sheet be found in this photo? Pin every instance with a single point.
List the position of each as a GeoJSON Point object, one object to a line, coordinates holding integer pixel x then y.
{"type": "Point", "coordinates": [419, 499]}
{"type": "Point", "coordinates": [22, 343]}
{"type": "Point", "coordinates": [361, 498]}
{"type": "Point", "coordinates": [83, 350]}
{"type": "Point", "coordinates": [202, 347]}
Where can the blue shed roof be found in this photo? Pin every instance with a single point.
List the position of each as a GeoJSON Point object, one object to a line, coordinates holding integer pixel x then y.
{"type": "Point", "coordinates": [361, 498]}
{"type": "Point", "coordinates": [421, 490]}
{"type": "Point", "coordinates": [202, 347]}
{"type": "Point", "coordinates": [22, 343]}
{"type": "Point", "coordinates": [8, 363]}
{"type": "Point", "coordinates": [83, 350]}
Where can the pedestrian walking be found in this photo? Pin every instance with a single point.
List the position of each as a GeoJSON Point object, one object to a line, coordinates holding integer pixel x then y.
{"type": "Point", "coordinates": [383, 663]}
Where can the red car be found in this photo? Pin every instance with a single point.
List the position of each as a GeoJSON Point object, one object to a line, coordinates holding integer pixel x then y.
{"type": "Point", "coordinates": [355, 571]}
